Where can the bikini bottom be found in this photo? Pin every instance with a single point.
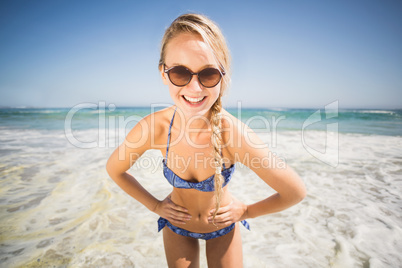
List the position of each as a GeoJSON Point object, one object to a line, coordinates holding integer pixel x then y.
{"type": "Point", "coordinates": [162, 222]}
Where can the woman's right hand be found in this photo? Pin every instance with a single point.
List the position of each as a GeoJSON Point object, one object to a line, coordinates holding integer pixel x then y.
{"type": "Point", "coordinates": [172, 212]}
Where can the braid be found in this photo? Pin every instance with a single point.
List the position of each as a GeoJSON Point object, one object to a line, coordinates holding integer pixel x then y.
{"type": "Point", "coordinates": [216, 142]}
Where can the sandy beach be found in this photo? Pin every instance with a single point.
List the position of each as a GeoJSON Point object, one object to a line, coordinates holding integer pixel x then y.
{"type": "Point", "coordinates": [59, 208]}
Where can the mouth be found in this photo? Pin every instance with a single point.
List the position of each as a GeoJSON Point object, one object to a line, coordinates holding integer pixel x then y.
{"type": "Point", "coordinates": [194, 101]}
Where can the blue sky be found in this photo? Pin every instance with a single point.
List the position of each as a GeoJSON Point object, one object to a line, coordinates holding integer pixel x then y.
{"type": "Point", "coordinates": [297, 54]}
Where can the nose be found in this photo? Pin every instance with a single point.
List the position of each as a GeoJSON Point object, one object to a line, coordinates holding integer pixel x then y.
{"type": "Point", "coordinates": [194, 84]}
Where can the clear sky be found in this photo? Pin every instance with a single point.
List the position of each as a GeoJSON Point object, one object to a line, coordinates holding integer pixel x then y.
{"type": "Point", "coordinates": [297, 54]}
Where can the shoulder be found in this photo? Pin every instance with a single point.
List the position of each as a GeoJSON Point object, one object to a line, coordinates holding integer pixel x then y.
{"type": "Point", "coordinates": [233, 129]}
{"type": "Point", "coordinates": [238, 138]}
{"type": "Point", "coordinates": [152, 128]}
{"type": "Point", "coordinates": [158, 120]}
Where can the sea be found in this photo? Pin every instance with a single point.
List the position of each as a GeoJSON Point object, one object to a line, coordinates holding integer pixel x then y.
{"type": "Point", "coordinates": [59, 207]}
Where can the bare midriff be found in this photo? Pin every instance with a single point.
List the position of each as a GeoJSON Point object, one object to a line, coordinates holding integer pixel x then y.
{"type": "Point", "coordinates": [199, 205]}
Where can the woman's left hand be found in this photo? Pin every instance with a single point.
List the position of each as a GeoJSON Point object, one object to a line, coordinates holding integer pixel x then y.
{"type": "Point", "coordinates": [234, 212]}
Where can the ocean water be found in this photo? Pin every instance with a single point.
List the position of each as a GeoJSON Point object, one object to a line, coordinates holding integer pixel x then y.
{"type": "Point", "coordinates": [59, 208]}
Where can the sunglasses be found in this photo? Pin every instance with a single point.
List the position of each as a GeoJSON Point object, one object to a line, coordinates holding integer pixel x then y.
{"type": "Point", "coordinates": [181, 76]}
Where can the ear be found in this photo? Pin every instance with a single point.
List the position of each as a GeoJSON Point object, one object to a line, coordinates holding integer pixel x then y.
{"type": "Point", "coordinates": [163, 75]}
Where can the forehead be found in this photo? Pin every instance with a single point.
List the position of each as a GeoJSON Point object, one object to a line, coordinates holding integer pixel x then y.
{"type": "Point", "coordinates": [190, 50]}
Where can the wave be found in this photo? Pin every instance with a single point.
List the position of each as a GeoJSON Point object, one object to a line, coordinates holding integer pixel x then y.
{"type": "Point", "coordinates": [391, 112]}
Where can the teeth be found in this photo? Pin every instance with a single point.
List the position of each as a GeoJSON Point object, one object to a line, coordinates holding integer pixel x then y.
{"type": "Point", "coordinates": [193, 100]}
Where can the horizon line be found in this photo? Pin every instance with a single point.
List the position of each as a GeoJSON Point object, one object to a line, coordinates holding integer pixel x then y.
{"type": "Point", "coordinates": [278, 108]}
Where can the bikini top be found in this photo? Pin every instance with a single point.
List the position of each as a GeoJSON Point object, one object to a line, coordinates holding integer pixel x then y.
{"type": "Point", "coordinates": [205, 185]}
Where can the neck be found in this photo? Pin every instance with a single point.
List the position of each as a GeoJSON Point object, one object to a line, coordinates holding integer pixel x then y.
{"type": "Point", "coordinates": [194, 123]}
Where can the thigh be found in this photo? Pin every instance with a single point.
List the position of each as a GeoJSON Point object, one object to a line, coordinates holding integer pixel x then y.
{"type": "Point", "coordinates": [181, 251]}
{"type": "Point", "coordinates": [225, 251]}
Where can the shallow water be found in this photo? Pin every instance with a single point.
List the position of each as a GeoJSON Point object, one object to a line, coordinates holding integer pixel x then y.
{"type": "Point", "coordinates": [59, 208]}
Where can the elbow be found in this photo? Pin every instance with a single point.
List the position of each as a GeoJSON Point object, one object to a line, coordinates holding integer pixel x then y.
{"type": "Point", "coordinates": [296, 194]}
{"type": "Point", "coordinates": [113, 170]}
{"type": "Point", "coordinates": [300, 194]}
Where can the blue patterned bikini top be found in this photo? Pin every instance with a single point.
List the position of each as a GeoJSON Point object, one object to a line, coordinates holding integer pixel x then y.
{"type": "Point", "coordinates": [205, 185]}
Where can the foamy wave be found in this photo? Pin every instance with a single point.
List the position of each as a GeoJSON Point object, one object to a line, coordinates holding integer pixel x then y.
{"type": "Point", "coordinates": [60, 208]}
{"type": "Point", "coordinates": [375, 112]}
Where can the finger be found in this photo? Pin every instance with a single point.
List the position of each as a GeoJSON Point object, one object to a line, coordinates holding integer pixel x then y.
{"type": "Point", "coordinates": [180, 215]}
{"type": "Point", "coordinates": [225, 221]}
{"type": "Point", "coordinates": [221, 225]}
{"type": "Point", "coordinates": [221, 219]}
{"type": "Point", "coordinates": [226, 224]}
{"type": "Point", "coordinates": [176, 221]}
{"type": "Point", "coordinates": [217, 218]}
{"type": "Point", "coordinates": [221, 210]}
{"type": "Point", "coordinates": [177, 207]}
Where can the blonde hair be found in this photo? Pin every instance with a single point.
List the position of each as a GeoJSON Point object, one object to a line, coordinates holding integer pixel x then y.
{"type": "Point", "coordinates": [213, 37]}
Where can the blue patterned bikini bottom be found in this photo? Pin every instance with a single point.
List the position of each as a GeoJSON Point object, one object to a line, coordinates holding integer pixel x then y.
{"type": "Point", "coordinates": [162, 222]}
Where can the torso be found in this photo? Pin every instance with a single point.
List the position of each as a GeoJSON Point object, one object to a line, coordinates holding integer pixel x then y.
{"type": "Point", "coordinates": [191, 158]}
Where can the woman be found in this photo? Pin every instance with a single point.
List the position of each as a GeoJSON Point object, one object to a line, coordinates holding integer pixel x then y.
{"type": "Point", "coordinates": [200, 138]}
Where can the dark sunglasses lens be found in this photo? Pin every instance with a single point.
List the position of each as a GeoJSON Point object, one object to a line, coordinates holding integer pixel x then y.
{"type": "Point", "coordinates": [209, 77]}
{"type": "Point", "coordinates": [179, 76]}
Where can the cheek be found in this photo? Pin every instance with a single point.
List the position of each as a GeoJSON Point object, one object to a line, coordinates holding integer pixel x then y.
{"type": "Point", "coordinates": [173, 91]}
{"type": "Point", "coordinates": [215, 92]}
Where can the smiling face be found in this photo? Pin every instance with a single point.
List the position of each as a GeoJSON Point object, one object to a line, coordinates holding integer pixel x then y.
{"type": "Point", "coordinates": [189, 50]}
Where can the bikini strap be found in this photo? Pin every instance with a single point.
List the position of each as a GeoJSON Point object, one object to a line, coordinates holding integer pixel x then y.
{"type": "Point", "coordinates": [168, 140]}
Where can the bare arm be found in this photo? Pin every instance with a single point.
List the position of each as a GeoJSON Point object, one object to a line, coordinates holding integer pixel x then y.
{"type": "Point", "coordinates": [289, 188]}
{"type": "Point", "coordinates": [136, 143]}
{"type": "Point", "coordinates": [253, 153]}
